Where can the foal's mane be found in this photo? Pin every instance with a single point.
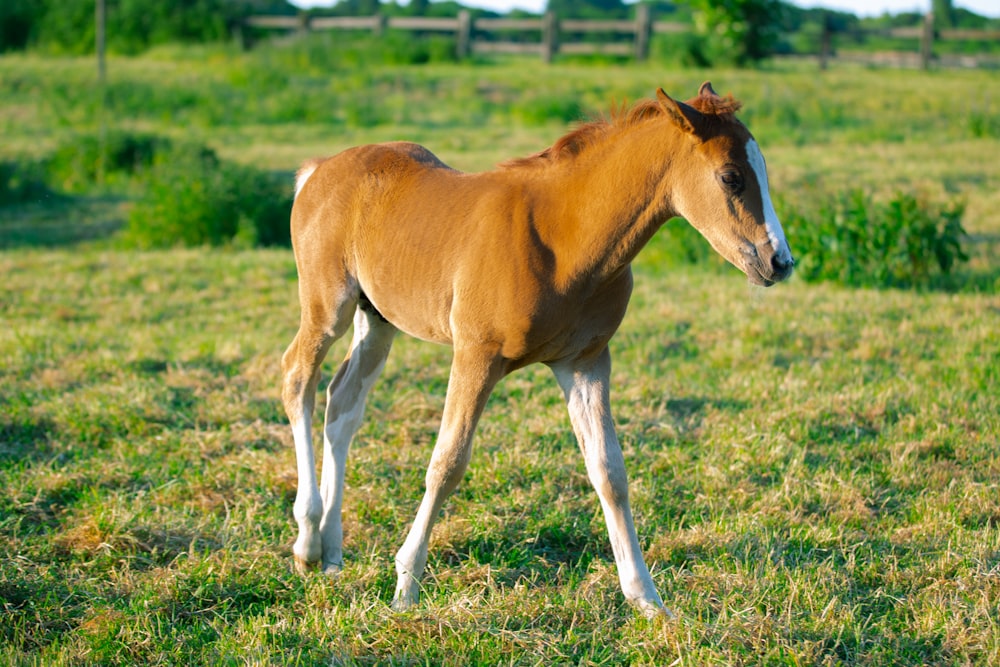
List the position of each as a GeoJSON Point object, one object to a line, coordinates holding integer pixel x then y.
{"type": "Point", "coordinates": [621, 118]}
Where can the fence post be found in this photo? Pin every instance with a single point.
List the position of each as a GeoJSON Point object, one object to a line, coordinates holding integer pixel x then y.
{"type": "Point", "coordinates": [100, 24]}
{"type": "Point", "coordinates": [463, 38]}
{"type": "Point", "coordinates": [825, 41]}
{"type": "Point", "coordinates": [379, 24]}
{"type": "Point", "coordinates": [927, 41]}
{"type": "Point", "coordinates": [550, 36]}
{"type": "Point", "coordinates": [303, 28]}
{"type": "Point", "coordinates": [643, 30]}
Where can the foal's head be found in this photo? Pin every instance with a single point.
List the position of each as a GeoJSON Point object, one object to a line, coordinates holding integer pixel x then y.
{"type": "Point", "coordinates": [724, 192]}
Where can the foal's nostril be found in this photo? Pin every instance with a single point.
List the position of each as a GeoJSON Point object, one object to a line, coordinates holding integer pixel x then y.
{"type": "Point", "coordinates": [782, 265]}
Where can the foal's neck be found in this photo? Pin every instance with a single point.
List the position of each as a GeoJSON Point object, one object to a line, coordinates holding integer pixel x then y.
{"type": "Point", "coordinates": [612, 198]}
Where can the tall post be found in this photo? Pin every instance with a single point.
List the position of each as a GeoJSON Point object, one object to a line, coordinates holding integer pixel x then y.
{"type": "Point", "coordinates": [643, 30]}
{"type": "Point", "coordinates": [100, 20]}
{"type": "Point", "coordinates": [927, 41]}
{"type": "Point", "coordinates": [825, 41]}
{"type": "Point", "coordinates": [463, 38]}
{"type": "Point", "coordinates": [550, 36]}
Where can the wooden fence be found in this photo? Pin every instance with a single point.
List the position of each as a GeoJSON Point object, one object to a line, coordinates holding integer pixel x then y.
{"type": "Point", "coordinates": [548, 35]}
{"type": "Point", "coordinates": [925, 34]}
{"type": "Point", "coordinates": [491, 35]}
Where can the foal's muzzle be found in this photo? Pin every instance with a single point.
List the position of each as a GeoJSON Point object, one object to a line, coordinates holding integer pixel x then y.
{"type": "Point", "coordinates": [766, 268]}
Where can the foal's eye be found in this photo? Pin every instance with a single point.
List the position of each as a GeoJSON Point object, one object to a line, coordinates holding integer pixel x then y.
{"type": "Point", "coordinates": [731, 179]}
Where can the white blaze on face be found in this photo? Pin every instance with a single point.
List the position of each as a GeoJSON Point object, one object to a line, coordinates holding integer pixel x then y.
{"type": "Point", "coordinates": [774, 231]}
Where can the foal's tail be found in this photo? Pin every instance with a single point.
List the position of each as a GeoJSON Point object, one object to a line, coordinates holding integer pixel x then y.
{"type": "Point", "coordinates": [305, 171]}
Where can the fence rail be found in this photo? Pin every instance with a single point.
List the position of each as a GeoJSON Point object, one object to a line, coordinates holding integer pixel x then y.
{"type": "Point", "coordinates": [926, 35]}
{"type": "Point", "coordinates": [555, 36]}
{"type": "Point", "coordinates": [480, 36]}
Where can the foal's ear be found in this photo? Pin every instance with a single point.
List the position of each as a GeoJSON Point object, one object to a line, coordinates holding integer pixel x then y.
{"type": "Point", "coordinates": [678, 112]}
{"type": "Point", "coordinates": [706, 90]}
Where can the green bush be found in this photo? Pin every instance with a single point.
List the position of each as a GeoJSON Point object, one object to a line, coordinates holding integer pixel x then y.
{"type": "Point", "coordinates": [546, 107]}
{"type": "Point", "coordinates": [193, 198]}
{"type": "Point", "coordinates": [76, 166]}
{"type": "Point", "coordinates": [22, 182]}
{"type": "Point", "coordinates": [16, 19]}
{"type": "Point", "coordinates": [406, 49]}
{"type": "Point", "coordinates": [132, 26]}
{"type": "Point", "coordinates": [741, 32]}
{"type": "Point", "coordinates": [347, 52]}
{"type": "Point", "coordinates": [854, 240]}
{"type": "Point", "coordinates": [682, 244]}
{"type": "Point", "coordinates": [682, 49]}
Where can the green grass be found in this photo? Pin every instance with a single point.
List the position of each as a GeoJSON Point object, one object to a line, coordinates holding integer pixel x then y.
{"type": "Point", "coordinates": [813, 468]}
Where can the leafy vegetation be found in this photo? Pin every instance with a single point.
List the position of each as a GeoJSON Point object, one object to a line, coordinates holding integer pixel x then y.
{"type": "Point", "coordinates": [115, 159]}
{"type": "Point", "coordinates": [741, 31]}
{"type": "Point", "coordinates": [184, 194]}
{"type": "Point", "coordinates": [853, 240]}
{"type": "Point", "coordinates": [813, 468]}
{"type": "Point", "coordinates": [21, 181]}
{"type": "Point", "coordinates": [132, 26]}
{"type": "Point", "coordinates": [744, 32]}
{"type": "Point", "coordinates": [192, 198]}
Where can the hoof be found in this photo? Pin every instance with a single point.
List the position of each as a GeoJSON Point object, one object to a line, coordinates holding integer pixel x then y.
{"type": "Point", "coordinates": [652, 610]}
{"type": "Point", "coordinates": [400, 606]}
{"type": "Point", "coordinates": [402, 603]}
{"type": "Point", "coordinates": [302, 566]}
{"type": "Point", "coordinates": [332, 569]}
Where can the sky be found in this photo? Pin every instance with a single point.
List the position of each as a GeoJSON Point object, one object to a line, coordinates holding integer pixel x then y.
{"type": "Point", "coordinates": [858, 7]}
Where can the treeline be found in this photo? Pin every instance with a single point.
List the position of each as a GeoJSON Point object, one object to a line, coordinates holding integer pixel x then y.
{"type": "Point", "coordinates": [747, 30]}
{"type": "Point", "coordinates": [68, 26]}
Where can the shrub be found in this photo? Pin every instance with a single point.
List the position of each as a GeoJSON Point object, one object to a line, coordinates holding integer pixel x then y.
{"type": "Point", "coordinates": [193, 198]}
{"type": "Point", "coordinates": [853, 240]}
{"type": "Point", "coordinates": [21, 182]}
{"type": "Point", "coordinates": [132, 25]}
{"type": "Point", "coordinates": [741, 31]}
{"type": "Point", "coordinates": [16, 19]}
{"type": "Point", "coordinates": [682, 244]}
{"type": "Point", "coordinates": [75, 166]}
{"type": "Point", "coordinates": [683, 49]}
{"type": "Point", "coordinates": [347, 52]}
{"type": "Point", "coordinates": [546, 107]}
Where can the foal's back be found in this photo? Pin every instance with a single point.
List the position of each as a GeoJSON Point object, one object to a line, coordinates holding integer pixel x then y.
{"type": "Point", "coordinates": [429, 246]}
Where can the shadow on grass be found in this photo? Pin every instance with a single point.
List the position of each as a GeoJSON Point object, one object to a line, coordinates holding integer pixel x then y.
{"type": "Point", "coordinates": [683, 420]}
{"type": "Point", "coordinates": [59, 220]}
{"type": "Point", "coordinates": [686, 408]}
{"type": "Point", "coordinates": [25, 436]}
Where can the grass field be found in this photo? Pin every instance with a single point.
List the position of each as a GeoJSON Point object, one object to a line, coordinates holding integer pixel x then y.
{"type": "Point", "coordinates": [814, 469]}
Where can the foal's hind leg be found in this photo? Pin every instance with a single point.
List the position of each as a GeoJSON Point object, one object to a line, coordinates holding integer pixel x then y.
{"type": "Point", "coordinates": [300, 371]}
{"type": "Point", "coordinates": [345, 405]}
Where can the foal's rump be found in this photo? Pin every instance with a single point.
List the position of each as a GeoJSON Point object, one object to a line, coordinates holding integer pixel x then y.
{"type": "Point", "coordinates": [394, 222]}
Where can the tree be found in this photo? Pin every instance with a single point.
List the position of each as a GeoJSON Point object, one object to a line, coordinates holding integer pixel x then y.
{"type": "Point", "coordinates": [17, 18]}
{"type": "Point", "coordinates": [944, 13]}
{"type": "Point", "coordinates": [588, 8]}
{"type": "Point", "coordinates": [745, 31]}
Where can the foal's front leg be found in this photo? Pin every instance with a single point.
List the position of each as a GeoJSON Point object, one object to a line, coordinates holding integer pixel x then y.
{"type": "Point", "coordinates": [474, 373]}
{"type": "Point", "coordinates": [585, 384]}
